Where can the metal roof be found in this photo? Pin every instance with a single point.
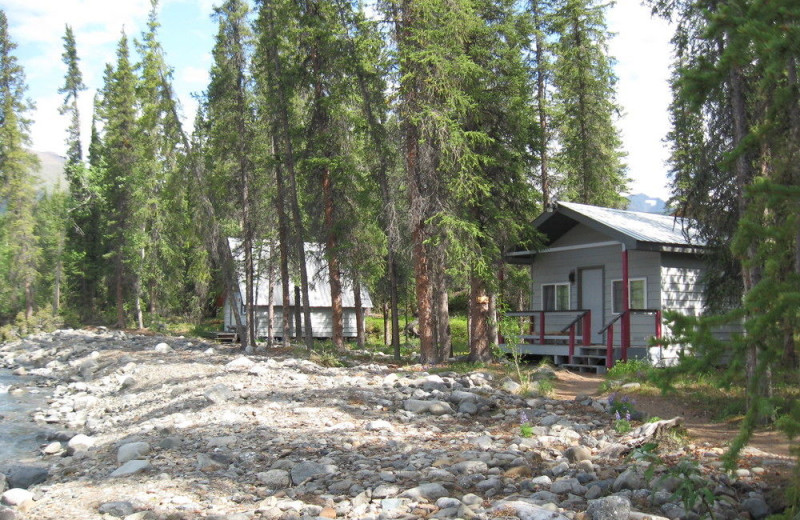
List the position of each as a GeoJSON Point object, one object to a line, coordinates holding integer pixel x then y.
{"type": "Point", "coordinates": [635, 229]}
{"type": "Point", "coordinates": [319, 291]}
{"type": "Point", "coordinates": [650, 228]}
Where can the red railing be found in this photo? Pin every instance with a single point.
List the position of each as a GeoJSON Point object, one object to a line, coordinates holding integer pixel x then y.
{"type": "Point", "coordinates": [584, 317]}
{"type": "Point", "coordinates": [625, 339]}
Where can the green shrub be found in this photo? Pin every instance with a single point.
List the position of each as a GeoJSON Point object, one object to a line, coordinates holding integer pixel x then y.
{"type": "Point", "coordinates": [629, 371]}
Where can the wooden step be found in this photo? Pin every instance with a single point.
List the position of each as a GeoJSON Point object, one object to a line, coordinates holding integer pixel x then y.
{"type": "Point", "coordinates": [579, 367]}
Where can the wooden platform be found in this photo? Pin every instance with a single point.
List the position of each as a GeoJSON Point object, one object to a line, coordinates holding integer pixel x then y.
{"type": "Point", "coordinates": [591, 358]}
{"type": "Point", "coordinates": [227, 337]}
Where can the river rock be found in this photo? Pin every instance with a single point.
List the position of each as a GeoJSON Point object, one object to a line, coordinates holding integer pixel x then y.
{"type": "Point", "coordinates": [429, 492]}
{"type": "Point", "coordinates": [432, 407]}
{"type": "Point", "coordinates": [240, 364]}
{"type": "Point", "coordinates": [130, 468]}
{"type": "Point", "coordinates": [162, 348]}
{"type": "Point", "coordinates": [308, 469]}
{"type": "Point", "coordinates": [525, 510]}
{"type": "Point", "coordinates": [609, 508]}
{"type": "Point", "coordinates": [16, 497]}
{"type": "Point", "coordinates": [26, 476]}
{"type": "Point", "coordinates": [80, 443]}
{"type": "Point", "coordinates": [52, 448]}
{"type": "Point", "coordinates": [218, 393]}
{"type": "Point", "coordinates": [132, 450]}
{"type": "Point", "coordinates": [274, 478]}
{"type": "Point", "coordinates": [8, 514]}
{"type": "Point", "coordinates": [118, 509]}
{"type": "Point", "coordinates": [756, 506]}
{"type": "Point", "coordinates": [578, 453]}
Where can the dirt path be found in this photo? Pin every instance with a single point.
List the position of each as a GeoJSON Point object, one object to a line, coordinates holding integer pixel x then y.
{"type": "Point", "coordinates": [700, 427]}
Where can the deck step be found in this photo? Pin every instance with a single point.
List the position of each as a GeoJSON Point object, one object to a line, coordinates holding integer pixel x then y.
{"type": "Point", "coordinates": [227, 337]}
{"type": "Point", "coordinates": [578, 367]}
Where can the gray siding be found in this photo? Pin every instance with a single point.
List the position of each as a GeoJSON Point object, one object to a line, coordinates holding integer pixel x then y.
{"type": "Point", "coordinates": [555, 267]}
{"type": "Point", "coordinates": [580, 235]}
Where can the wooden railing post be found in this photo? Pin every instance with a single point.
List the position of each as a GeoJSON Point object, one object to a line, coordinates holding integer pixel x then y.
{"type": "Point", "coordinates": [610, 347]}
{"type": "Point", "coordinates": [587, 328]}
{"type": "Point", "coordinates": [571, 342]}
{"type": "Point", "coordinates": [658, 324]}
{"type": "Point", "coordinates": [541, 327]}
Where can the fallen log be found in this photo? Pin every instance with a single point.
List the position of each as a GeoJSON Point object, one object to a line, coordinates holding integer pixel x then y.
{"type": "Point", "coordinates": [638, 437]}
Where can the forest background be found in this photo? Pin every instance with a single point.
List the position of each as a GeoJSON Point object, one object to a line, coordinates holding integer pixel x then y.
{"type": "Point", "coordinates": [416, 144]}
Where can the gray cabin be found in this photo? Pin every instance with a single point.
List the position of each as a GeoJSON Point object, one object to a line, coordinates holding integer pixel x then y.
{"type": "Point", "coordinates": [319, 297]}
{"type": "Point", "coordinates": [581, 315]}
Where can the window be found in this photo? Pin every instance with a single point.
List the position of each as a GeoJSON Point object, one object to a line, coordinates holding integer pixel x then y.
{"type": "Point", "coordinates": [555, 297]}
{"type": "Point", "coordinates": [637, 294]}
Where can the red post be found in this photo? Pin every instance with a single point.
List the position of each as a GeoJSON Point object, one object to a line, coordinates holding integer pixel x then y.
{"type": "Point", "coordinates": [658, 324]}
{"type": "Point", "coordinates": [587, 328]}
{"type": "Point", "coordinates": [610, 347]}
{"type": "Point", "coordinates": [571, 342]}
{"type": "Point", "coordinates": [541, 327]}
{"type": "Point", "coordinates": [625, 326]}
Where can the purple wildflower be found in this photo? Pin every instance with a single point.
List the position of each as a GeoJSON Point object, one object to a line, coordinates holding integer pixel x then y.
{"type": "Point", "coordinates": [627, 415]}
{"type": "Point", "coordinates": [523, 417]}
{"type": "Point", "coordinates": [616, 415]}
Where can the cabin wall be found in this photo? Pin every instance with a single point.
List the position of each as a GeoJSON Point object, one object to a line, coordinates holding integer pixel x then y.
{"type": "Point", "coordinates": [555, 267]}
{"type": "Point", "coordinates": [321, 321]}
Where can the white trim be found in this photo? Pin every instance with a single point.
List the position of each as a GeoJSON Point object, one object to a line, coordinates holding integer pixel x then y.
{"type": "Point", "coordinates": [630, 280]}
{"type": "Point", "coordinates": [579, 246]}
{"type": "Point", "coordinates": [555, 294]}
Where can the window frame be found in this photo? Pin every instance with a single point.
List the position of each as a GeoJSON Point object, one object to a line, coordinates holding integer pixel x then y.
{"type": "Point", "coordinates": [631, 281]}
{"type": "Point", "coordinates": [555, 286]}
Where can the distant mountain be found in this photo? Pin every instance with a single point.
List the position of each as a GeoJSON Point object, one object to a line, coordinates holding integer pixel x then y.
{"type": "Point", "coordinates": [646, 204]}
{"type": "Point", "coordinates": [51, 172]}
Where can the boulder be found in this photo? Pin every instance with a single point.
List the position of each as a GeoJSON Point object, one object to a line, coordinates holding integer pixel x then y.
{"type": "Point", "coordinates": [609, 508]}
{"type": "Point", "coordinates": [131, 451]}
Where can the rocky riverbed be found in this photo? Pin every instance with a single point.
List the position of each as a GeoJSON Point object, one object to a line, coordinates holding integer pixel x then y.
{"type": "Point", "coordinates": [146, 427]}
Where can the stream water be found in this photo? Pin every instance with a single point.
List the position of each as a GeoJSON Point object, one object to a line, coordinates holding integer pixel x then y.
{"type": "Point", "coordinates": [20, 436]}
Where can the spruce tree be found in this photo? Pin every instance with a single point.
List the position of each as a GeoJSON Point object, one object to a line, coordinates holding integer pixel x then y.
{"type": "Point", "coordinates": [16, 190]}
{"type": "Point", "coordinates": [230, 133]}
{"type": "Point", "coordinates": [121, 186]}
{"type": "Point", "coordinates": [590, 157]}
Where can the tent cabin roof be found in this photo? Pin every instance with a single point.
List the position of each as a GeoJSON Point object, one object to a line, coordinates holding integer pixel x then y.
{"type": "Point", "coordinates": [634, 229]}
{"type": "Point", "coordinates": [319, 293]}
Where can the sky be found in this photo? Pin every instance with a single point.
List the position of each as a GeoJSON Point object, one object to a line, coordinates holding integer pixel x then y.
{"type": "Point", "coordinates": [640, 46]}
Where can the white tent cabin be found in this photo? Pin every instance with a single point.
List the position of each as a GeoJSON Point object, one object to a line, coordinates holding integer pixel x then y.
{"type": "Point", "coordinates": [319, 294]}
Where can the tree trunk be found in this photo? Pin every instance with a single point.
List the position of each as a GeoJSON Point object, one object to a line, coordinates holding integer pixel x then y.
{"type": "Point", "coordinates": [492, 325]}
{"type": "Point", "coordinates": [288, 158]}
{"type": "Point", "coordinates": [271, 294]}
{"type": "Point", "coordinates": [360, 340]}
{"type": "Point", "coordinates": [298, 313]}
{"type": "Point", "coordinates": [441, 317]}
{"type": "Point", "coordinates": [758, 384]}
{"type": "Point", "coordinates": [283, 243]}
{"type": "Point", "coordinates": [334, 272]}
{"type": "Point", "coordinates": [379, 137]}
{"type": "Point", "coordinates": [118, 290]}
{"type": "Point", "coordinates": [480, 345]}
{"type": "Point", "coordinates": [386, 323]}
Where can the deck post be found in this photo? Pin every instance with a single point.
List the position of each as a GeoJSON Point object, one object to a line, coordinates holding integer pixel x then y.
{"type": "Point", "coordinates": [610, 347]}
{"type": "Point", "coordinates": [571, 342]}
{"type": "Point", "coordinates": [625, 326]}
{"type": "Point", "coordinates": [658, 324]}
{"type": "Point", "coordinates": [587, 328]}
{"type": "Point", "coordinates": [541, 328]}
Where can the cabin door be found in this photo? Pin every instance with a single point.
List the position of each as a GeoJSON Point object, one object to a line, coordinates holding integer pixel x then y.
{"type": "Point", "coordinates": [590, 297]}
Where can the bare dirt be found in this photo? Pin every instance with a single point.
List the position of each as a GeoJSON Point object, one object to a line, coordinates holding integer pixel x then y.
{"type": "Point", "coordinates": [700, 427]}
